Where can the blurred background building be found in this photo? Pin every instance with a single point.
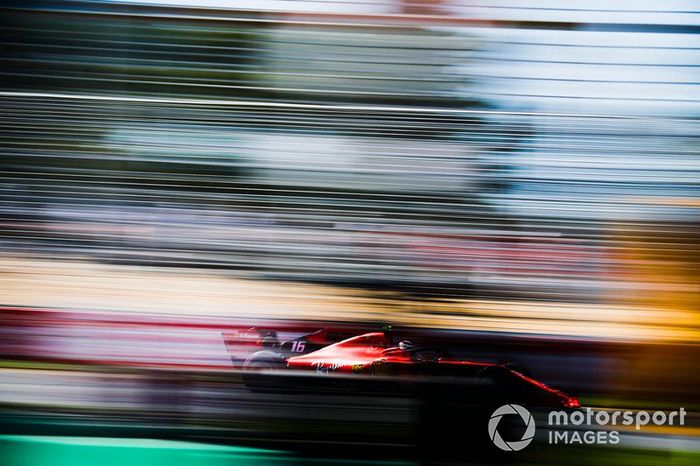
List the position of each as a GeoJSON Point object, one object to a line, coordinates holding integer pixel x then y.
{"type": "Point", "coordinates": [488, 149]}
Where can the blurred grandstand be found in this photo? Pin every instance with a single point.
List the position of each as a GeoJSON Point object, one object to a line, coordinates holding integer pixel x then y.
{"type": "Point", "coordinates": [387, 145]}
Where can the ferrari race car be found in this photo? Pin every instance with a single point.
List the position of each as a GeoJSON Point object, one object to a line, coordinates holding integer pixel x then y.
{"type": "Point", "coordinates": [382, 356]}
{"type": "Point", "coordinates": [256, 347]}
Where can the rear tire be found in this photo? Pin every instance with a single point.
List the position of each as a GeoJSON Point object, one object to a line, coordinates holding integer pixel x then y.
{"type": "Point", "coordinates": [262, 361]}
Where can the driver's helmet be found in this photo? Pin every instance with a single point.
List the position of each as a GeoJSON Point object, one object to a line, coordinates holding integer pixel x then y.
{"type": "Point", "coordinates": [406, 345]}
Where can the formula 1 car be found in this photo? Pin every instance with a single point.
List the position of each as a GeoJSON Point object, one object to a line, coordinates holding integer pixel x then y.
{"type": "Point", "coordinates": [264, 348]}
{"type": "Point", "coordinates": [379, 355]}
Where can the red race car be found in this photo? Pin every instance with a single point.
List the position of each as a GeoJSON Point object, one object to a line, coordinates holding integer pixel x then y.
{"type": "Point", "coordinates": [382, 355]}
{"type": "Point", "coordinates": [256, 347]}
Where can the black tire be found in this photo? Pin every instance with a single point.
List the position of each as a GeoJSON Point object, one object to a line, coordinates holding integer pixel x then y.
{"type": "Point", "coordinates": [258, 362]}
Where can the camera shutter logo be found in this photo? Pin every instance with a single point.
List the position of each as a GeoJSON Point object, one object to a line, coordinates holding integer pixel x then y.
{"type": "Point", "coordinates": [527, 435]}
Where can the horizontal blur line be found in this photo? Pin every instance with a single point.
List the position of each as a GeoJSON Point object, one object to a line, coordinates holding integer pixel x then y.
{"type": "Point", "coordinates": [443, 95]}
{"type": "Point", "coordinates": [303, 124]}
{"type": "Point", "coordinates": [311, 124]}
{"type": "Point", "coordinates": [308, 126]}
{"type": "Point", "coordinates": [199, 107]}
{"type": "Point", "coordinates": [560, 156]}
{"type": "Point", "coordinates": [259, 38]}
{"type": "Point", "coordinates": [398, 21]}
{"type": "Point", "coordinates": [645, 28]}
{"type": "Point", "coordinates": [350, 20]}
{"type": "Point", "coordinates": [292, 198]}
{"type": "Point", "coordinates": [182, 65]}
{"type": "Point", "coordinates": [567, 62]}
{"type": "Point", "coordinates": [621, 99]}
{"type": "Point", "coordinates": [537, 8]}
{"type": "Point", "coordinates": [373, 108]}
{"type": "Point", "coordinates": [616, 81]}
{"type": "Point", "coordinates": [379, 59]}
{"type": "Point", "coordinates": [483, 40]}
{"type": "Point", "coordinates": [592, 46]}
{"type": "Point", "coordinates": [388, 46]}
{"type": "Point", "coordinates": [219, 118]}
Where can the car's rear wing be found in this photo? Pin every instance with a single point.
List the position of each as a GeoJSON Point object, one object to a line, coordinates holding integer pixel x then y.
{"type": "Point", "coordinates": [241, 343]}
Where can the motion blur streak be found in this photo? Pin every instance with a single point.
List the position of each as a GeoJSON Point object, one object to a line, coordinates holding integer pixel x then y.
{"type": "Point", "coordinates": [186, 183]}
